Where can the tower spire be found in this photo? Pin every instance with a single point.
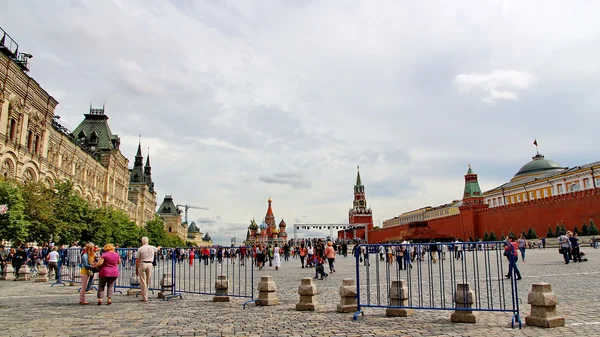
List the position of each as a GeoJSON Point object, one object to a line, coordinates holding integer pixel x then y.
{"type": "Point", "coordinates": [358, 181]}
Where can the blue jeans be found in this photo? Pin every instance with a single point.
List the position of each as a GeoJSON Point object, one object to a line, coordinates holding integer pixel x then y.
{"type": "Point", "coordinates": [565, 253]}
{"type": "Point", "coordinates": [512, 264]}
{"type": "Point", "coordinates": [522, 249]}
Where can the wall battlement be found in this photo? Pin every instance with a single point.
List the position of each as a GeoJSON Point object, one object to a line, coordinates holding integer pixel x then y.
{"type": "Point", "coordinates": [589, 193]}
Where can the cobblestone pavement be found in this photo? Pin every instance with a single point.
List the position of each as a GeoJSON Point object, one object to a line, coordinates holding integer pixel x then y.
{"type": "Point", "coordinates": [36, 309]}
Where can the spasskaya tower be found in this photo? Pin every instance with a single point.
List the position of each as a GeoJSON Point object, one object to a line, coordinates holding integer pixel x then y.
{"type": "Point", "coordinates": [360, 213]}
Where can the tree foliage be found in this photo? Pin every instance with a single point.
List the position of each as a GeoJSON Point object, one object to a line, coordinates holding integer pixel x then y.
{"type": "Point", "coordinates": [531, 234]}
{"type": "Point", "coordinates": [39, 213]}
{"type": "Point", "coordinates": [549, 234]}
{"type": "Point", "coordinates": [592, 229]}
{"type": "Point", "coordinates": [493, 236]}
{"type": "Point", "coordinates": [486, 236]}
{"type": "Point", "coordinates": [584, 229]}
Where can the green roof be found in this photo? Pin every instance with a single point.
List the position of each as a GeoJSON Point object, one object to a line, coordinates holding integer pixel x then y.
{"type": "Point", "coordinates": [168, 207]}
{"type": "Point", "coordinates": [472, 188]}
{"type": "Point", "coordinates": [96, 123]}
{"type": "Point", "coordinates": [539, 164]}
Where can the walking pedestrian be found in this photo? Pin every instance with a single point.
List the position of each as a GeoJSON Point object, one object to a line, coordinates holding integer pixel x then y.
{"type": "Point", "coordinates": [143, 268]}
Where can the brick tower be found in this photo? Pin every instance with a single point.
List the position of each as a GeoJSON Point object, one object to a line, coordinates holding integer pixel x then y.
{"type": "Point", "coordinates": [360, 213]}
{"type": "Point", "coordinates": [472, 202]}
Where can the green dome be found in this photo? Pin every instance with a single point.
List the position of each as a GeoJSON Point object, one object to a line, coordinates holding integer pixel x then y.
{"type": "Point", "coordinates": [538, 165]}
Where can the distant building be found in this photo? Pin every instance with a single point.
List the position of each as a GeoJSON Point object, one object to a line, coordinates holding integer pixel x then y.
{"type": "Point", "coordinates": [195, 235]}
{"type": "Point", "coordinates": [360, 216]}
{"type": "Point", "coordinates": [35, 147]}
{"type": "Point", "coordinates": [540, 196]}
{"type": "Point", "coordinates": [267, 232]}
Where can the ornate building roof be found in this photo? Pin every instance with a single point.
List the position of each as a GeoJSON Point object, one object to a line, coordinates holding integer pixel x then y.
{"type": "Point", "coordinates": [472, 194]}
{"type": "Point", "coordinates": [538, 165]}
{"type": "Point", "coordinates": [253, 226]}
{"type": "Point", "coordinates": [263, 226]}
{"type": "Point", "coordinates": [168, 207]}
{"type": "Point", "coordinates": [94, 131]}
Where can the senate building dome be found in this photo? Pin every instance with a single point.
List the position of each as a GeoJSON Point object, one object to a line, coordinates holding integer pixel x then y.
{"type": "Point", "coordinates": [537, 166]}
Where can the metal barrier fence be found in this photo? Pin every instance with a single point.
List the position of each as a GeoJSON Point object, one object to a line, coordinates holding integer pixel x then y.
{"type": "Point", "coordinates": [176, 271]}
{"type": "Point", "coordinates": [426, 277]}
{"type": "Point", "coordinates": [180, 271]}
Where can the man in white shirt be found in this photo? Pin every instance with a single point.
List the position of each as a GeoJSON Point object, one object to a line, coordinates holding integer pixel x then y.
{"type": "Point", "coordinates": [143, 266]}
{"type": "Point", "coordinates": [53, 262]}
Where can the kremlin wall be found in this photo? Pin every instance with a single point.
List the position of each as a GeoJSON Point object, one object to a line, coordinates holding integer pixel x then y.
{"type": "Point", "coordinates": [541, 195]}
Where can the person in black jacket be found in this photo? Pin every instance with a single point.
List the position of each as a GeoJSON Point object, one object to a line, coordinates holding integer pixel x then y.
{"type": "Point", "coordinates": [19, 259]}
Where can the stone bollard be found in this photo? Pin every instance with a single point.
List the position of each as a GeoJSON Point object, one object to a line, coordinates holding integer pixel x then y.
{"type": "Point", "coordinates": [134, 281]}
{"type": "Point", "coordinates": [42, 275]}
{"type": "Point", "coordinates": [347, 292]}
{"type": "Point", "coordinates": [543, 307]}
{"type": "Point", "coordinates": [307, 291]}
{"type": "Point", "coordinates": [398, 298]}
{"type": "Point", "coordinates": [24, 273]}
{"type": "Point", "coordinates": [165, 283]}
{"type": "Point", "coordinates": [7, 272]}
{"type": "Point", "coordinates": [267, 291]}
{"type": "Point", "coordinates": [221, 286]}
{"type": "Point", "coordinates": [464, 299]}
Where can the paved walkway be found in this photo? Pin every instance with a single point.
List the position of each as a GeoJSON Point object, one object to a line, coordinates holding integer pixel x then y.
{"type": "Point", "coordinates": [36, 309]}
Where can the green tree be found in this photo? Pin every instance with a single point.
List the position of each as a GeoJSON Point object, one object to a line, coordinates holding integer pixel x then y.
{"type": "Point", "coordinates": [592, 229]}
{"type": "Point", "coordinates": [531, 234]}
{"type": "Point", "coordinates": [376, 228]}
{"type": "Point", "coordinates": [512, 233]}
{"type": "Point", "coordinates": [549, 234]}
{"type": "Point", "coordinates": [576, 230]}
{"type": "Point", "coordinates": [71, 213]}
{"type": "Point", "coordinates": [584, 229]}
{"type": "Point", "coordinates": [13, 225]}
{"type": "Point", "coordinates": [557, 230]}
{"type": "Point", "coordinates": [486, 236]}
{"type": "Point", "coordinates": [155, 231]}
{"type": "Point", "coordinates": [39, 210]}
{"type": "Point", "coordinates": [493, 236]}
{"type": "Point", "coordinates": [503, 237]}
{"type": "Point", "coordinates": [109, 225]}
{"type": "Point", "coordinates": [563, 230]}
{"type": "Point", "coordinates": [524, 233]}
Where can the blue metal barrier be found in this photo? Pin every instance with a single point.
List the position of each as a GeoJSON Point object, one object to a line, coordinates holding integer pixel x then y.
{"type": "Point", "coordinates": [431, 273]}
{"type": "Point", "coordinates": [177, 271]}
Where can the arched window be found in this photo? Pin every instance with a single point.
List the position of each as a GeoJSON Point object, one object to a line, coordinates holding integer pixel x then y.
{"type": "Point", "coordinates": [13, 129]}
{"type": "Point", "coordinates": [574, 187]}
{"type": "Point", "coordinates": [29, 140]}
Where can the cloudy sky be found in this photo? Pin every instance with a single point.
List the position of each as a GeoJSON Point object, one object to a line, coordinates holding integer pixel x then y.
{"type": "Point", "coordinates": [242, 100]}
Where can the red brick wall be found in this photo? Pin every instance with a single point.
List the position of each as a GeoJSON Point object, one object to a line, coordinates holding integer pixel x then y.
{"type": "Point", "coordinates": [571, 209]}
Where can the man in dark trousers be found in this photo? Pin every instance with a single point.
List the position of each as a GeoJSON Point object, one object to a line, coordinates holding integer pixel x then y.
{"type": "Point", "coordinates": [19, 259]}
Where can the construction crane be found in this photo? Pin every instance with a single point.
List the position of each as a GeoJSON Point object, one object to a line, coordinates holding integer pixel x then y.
{"type": "Point", "coordinates": [186, 207]}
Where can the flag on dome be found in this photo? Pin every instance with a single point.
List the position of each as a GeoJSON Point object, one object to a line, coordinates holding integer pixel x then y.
{"type": "Point", "coordinates": [535, 142]}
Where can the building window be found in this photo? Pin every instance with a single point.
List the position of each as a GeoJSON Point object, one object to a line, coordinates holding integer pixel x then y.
{"type": "Point", "coordinates": [29, 140]}
{"type": "Point", "coordinates": [545, 192]}
{"type": "Point", "coordinates": [586, 183]}
{"type": "Point", "coordinates": [169, 229]}
{"type": "Point", "coordinates": [512, 199]}
{"type": "Point", "coordinates": [574, 187]}
{"type": "Point", "coordinates": [537, 194]}
{"type": "Point", "coordinates": [494, 202]}
{"type": "Point", "coordinates": [530, 195]}
{"type": "Point", "coordinates": [524, 196]}
{"type": "Point", "coordinates": [505, 200]}
{"type": "Point", "coordinates": [518, 198]}
{"type": "Point", "coordinates": [560, 188]}
{"type": "Point", "coordinates": [13, 129]}
{"type": "Point", "coordinates": [597, 182]}
{"type": "Point", "coordinates": [36, 145]}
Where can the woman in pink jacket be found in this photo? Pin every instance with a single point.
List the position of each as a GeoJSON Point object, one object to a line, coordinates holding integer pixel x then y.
{"type": "Point", "coordinates": [109, 272]}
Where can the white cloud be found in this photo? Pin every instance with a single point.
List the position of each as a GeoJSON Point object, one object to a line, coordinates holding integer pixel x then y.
{"type": "Point", "coordinates": [241, 101]}
{"type": "Point", "coordinates": [497, 85]}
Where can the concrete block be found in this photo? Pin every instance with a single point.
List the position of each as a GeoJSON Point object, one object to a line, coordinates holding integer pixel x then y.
{"type": "Point", "coordinates": [397, 312]}
{"type": "Point", "coordinates": [267, 298]}
{"type": "Point", "coordinates": [542, 299]}
{"type": "Point", "coordinates": [42, 275]}
{"type": "Point", "coordinates": [463, 317]}
{"type": "Point", "coordinates": [553, 322]}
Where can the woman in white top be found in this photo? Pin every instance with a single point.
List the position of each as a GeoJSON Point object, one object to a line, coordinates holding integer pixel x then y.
{"type": "Point", "coordinates": [52, 259]}
{"type": "Point", "coordinates": [277, 257]}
